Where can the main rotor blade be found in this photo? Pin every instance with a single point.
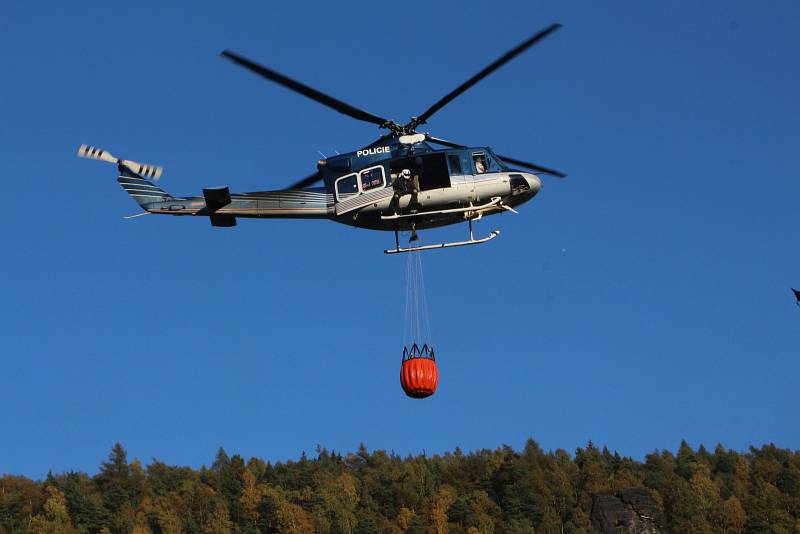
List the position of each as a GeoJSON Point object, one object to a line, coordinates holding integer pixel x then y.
{"type": "Point", "coordinates": [508, 56]}
{"type": "Point", "coordinates": [309, 180]}
{"type": "Point", "coordinates": [443, 142]}
{"type": "Point", "coordinates": [533, 166]}
{"type": "Point", "coordinates": [313, 94]}
{"type": "Point", "coordinates": [379, 141]}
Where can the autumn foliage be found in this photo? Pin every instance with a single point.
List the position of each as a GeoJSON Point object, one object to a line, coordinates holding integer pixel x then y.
{"type": "Point", "coordinates": [488, 491]}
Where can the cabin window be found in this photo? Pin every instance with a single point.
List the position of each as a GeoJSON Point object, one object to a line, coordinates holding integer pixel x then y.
{"type": "Point", "coordinates": [455, 164]}
{"type": "Point", "coordinates": [372, 178]}
{"type": "Point", "coordinates": [346, 186]}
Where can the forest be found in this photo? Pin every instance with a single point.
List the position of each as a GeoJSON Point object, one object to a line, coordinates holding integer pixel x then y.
{"type": "Point", "coordinates": [487, 491]}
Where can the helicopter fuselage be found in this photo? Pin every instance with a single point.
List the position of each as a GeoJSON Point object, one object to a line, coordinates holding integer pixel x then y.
{"type": "Point", "coordinates": [454, 185]}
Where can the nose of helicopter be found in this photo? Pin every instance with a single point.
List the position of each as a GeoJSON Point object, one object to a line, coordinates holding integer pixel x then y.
{"type": "Point", "coordinates": [534, 182]}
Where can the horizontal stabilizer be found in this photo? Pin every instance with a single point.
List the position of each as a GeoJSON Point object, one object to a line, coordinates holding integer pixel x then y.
{"type": "Point", "coordinates": [224, 221]}
{"type": "Point", "coordinates": [217, 197]}
{"type": "Point", "coordinates": [141, 169]}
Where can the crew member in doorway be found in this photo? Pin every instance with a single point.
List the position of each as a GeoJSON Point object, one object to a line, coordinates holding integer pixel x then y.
{"type": "Point", "coordinates": [406, 184]}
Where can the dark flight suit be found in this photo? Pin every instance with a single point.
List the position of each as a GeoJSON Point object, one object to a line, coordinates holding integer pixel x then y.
{"type": "Point", "coordinates": [405, 186]}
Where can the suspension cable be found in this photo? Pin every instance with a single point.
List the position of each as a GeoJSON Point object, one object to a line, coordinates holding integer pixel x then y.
{"type": "Point", "coordinates": [416, 320]}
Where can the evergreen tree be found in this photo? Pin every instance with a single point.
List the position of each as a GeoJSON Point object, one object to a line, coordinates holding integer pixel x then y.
{"type": "Point", "coordinates": [487, 491]}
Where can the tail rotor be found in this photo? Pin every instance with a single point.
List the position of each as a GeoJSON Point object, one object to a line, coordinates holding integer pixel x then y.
{"type": "Point", "coordinates": [144, 170]}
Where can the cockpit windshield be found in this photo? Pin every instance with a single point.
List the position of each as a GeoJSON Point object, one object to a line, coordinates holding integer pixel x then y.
{"type": "Point", "coordinates": [501, 165]}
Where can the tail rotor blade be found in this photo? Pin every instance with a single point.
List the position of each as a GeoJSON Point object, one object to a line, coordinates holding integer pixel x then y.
{"type": "Point", "coordinates": [144, 170]}
{"type": "Point", "coordinates": [92, 152]}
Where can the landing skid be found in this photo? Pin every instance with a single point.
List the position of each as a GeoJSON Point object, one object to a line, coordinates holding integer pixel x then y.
{"type": "Point", "coordinates": [471, 241]}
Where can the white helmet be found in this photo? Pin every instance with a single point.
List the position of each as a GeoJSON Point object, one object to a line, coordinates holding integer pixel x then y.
{"type": "Point", "coordinates": [406, 173]}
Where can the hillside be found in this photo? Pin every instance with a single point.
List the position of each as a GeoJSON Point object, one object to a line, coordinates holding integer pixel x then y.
{"type": "Point", "coordinates": [501, 491]}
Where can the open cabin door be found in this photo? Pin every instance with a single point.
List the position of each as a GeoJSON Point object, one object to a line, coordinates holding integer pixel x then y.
{"type": "Point", "coordinates": [359, 189]}
{"type": "Point", "coordinates": [430, 169]}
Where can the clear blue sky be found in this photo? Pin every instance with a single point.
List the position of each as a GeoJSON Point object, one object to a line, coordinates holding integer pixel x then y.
{"type": "Point", "coordinates": [642, 300]}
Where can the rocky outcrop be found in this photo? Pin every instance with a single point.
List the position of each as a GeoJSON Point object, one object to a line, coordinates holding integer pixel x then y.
{"type": "Point", "coordinates": [629, 511]}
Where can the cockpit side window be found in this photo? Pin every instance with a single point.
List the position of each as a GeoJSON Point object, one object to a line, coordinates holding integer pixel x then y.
{"type": "Point", "coordinates": [479, 162]}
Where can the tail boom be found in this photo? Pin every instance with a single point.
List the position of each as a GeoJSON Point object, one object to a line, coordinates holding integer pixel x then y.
{"type": "Point", "coordinates": [284, 204]}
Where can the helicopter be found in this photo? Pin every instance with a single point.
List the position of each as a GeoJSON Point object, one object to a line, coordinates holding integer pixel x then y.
{"type": "Point", "coordinates": [452, 184]}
